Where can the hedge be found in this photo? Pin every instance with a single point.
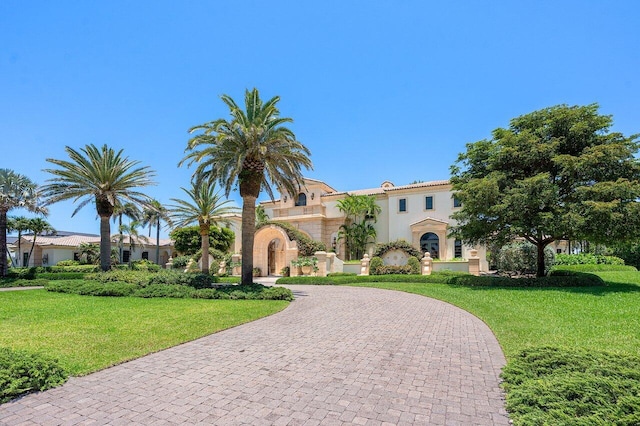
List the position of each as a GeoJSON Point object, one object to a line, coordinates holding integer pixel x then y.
{"type": "Point", "coordinates": [22, 372]}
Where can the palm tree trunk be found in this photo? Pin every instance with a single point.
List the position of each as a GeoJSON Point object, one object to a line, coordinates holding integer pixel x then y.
{"type": "Point", "coordinates": [158, 242]}
{"type": "Point", "coordinates": [3, 242]}
{"type": "Point", "coordinates": [204, 244]}
{"type": "Point", "coordinates": [248, 233]}
{"type": "Point", "coordinates": [105, 243]}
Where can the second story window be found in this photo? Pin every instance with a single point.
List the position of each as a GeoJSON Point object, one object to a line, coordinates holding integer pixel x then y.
{"type": "Point", "coordinates": [457, 202]}
{"type": "Point", "coordinates": [402, 205]}
{"type": "Point", "coordinates": [301, 200]}
{"type": "Point", "coordinates": [428, 203]}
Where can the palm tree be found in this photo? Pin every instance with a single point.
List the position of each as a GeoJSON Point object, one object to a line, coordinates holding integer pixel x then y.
{"type": "Point", "coordinates": [153, 215]}
{"type": "Point", "coordinates": [255, 150]}
{"type": "Point", "coordinates": [20, 224]}
{"type": "Point", "coordinates": [132, 212]}
{"type": "Point", "coordinates": [205, 208]}
{"type": "Point", "coordinates": [102, 176]}
{"type": "Point", "coordinates": [16, 191]}
{"type": "Point", "coordinates": [38, 226]}
{"type": "Point", "coordinates": [357, 230]}
{"type": "Point", "coordinates": [130, 231]}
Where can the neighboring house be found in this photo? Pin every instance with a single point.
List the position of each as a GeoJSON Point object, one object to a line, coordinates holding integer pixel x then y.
{"type": "Point", "coordinates": [418, 213]}
{"type": "Point", "coordinates": [49, 250]}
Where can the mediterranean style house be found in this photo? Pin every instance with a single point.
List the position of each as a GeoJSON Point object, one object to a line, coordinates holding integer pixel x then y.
{"type": "Point", "coordinates": [51, 249]}
{"type": "Point", "coordinates": [418, 213]}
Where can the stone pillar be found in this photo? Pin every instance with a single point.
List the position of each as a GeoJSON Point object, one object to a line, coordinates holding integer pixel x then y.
{"type": "Point", "coordinates": [235, 259]}
{"type": "Point", "coordinates": [331, 258]}
{"type": "Point", "coordinates": [169, 264]}
{"type": "Point", "coordinates": [427, 264]}
{"type": "Point", "coordinates": [364, 265]}
{"type": "Point", "coordinates": [474, 262]}
{"type": "Point", "coordinates": [322, 263]}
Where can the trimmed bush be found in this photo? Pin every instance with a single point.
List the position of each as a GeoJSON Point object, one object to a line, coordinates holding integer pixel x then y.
{"type": "Point", "coordinates": [591, 268]}
{"type": "Point", "coordinates": [68, 262]}
{"type": "Point", "coordinates": [60, 276]}
{"type": "Point", "coordinates": [145, 265]}
{"type": "Point", "coordinates": [22, 372]}
{"type": "Point", "coordinates": [402, 245]}
{"type": "Point", "coordinates": [548, 385]}
{"type": "Point", "coordinates": [139, 278]}
{"type": "Point", "coordinates": [587, 259]}
{"type": "Point", "coordinates": [92, 288]}
{"type": "Point", "coordinates": [195, 280]}
{"type": "Point", "coordinates": [165, 290]}
{"type": "Point", "coordinates": [414, 264]}
{"type": "Point", "coordinates": [393, 270]}
{"type": "Point", "coordinates": [19, 282]}
{"type": "Point", "coordinates": [180, 262]}
{"type": "Point", "coordinates": [375, 264]}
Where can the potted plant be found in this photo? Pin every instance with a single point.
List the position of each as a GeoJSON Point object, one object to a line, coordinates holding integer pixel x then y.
{"type": "Point", "coordinates": [306, 264]}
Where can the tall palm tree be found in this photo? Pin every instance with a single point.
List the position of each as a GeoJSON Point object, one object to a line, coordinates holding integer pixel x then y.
{"type": "Point", "coordinates": [102, 176]}
{"type": "Point", "coordinates": [38, 226]}
{"type": "Point", "coordinates": [132, 212]}
{"type": "Point", "coordinates": [16, 191]}
{"type": "Point", "coordinates": [19, 224]}
{"type": "Point", "coordinates": [153, 215]}
{"type": "Point", "coordinates": [206, 208]}
{"type": "Point", "coordinates": [130, 232]}
{"type": "Point", "coordinates": [253, 149]}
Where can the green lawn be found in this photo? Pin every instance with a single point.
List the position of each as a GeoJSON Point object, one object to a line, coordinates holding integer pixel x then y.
{"type": "Point", "coordinates": [600, 318]}
{"type": "Point", "coordinates": [90, 333]}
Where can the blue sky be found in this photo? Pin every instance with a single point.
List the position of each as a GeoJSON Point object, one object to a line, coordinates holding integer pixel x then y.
{"type": "Point", "coordinates": [378, 90]}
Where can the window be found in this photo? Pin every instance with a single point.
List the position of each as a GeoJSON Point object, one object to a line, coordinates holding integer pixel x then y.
{"type": "Point", "coordinates": [456, 202]}
{"type": "Point", "coordinates": [428, 205]}
{"type": "Point", "coordinates": [558, 251]}
{"type": "Point", "coordinates": [145, 255]}
{"type": "Point", "coordinates": [402, 205]}
{"type": "Point", "coordinates": [457, 249]}
{"type": "Point", "coordinates": [301, 200]}
{"type": "Point", "coordinates": [125, 256]}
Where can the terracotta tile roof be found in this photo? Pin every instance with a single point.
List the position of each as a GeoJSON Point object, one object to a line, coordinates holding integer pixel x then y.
{"type": "Point", "coordinates": [76, 240]}
{"type": "Point", "coordinates": [382, 190]}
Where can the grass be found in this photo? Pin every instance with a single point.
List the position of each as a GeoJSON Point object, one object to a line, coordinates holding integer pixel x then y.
{"type": "Point", "coordinates": [91, 333]}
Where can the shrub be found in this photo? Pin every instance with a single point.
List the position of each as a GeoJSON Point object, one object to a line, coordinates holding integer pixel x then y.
{"type": "Point", "coordinates": [562, 279]}
{"type": "Point", "coordinates": [60, 276]}
{"type": "Point", "coordinates": [375, 264]}
{"type": "Point", "coordinates": [306, 246]}
{"type": "Point", "coordinates": [20, 282]}
{"type": "Point", "coordinates": [403, 245]}
{"type": "Point", "coordinates": [394, 270]}
{"type": "Point", "coordinates": [22, 273]}
{"type": "Point", "coordinates": [165, 290]}
{"type": "Point", "coordinates": [22, 372]}
{"type": "Point", "coordinates": [145, 265]}
{"type": "Point", "coordinates": [68, 262]}
{"type": "Point", "coordinates": [414, 264]}
{"type": "Point", "coordinates": [548, 385]}
{"type": "Point", "coordinates": [195, 280]}
{"type": "Point", "coordinates": [139, 278]}
{"type": "Point", "coordinates": [521, 258]}
{"type": "Point", "coordinates": [590, 268]}
{"type": "Point", "coordinates": [587, 259]}
{"type": "Point", "coordinates": [72, 268]}
{"type": "Point", "coordinates": [92, 288]}
{"type": "Point", "coordinates": [180, 262]}
{"type": "Point", "coordinates": [285, 271]}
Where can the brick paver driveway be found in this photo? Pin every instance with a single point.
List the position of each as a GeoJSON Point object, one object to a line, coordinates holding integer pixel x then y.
{"type": "Point", "coordinates": [337, 355]}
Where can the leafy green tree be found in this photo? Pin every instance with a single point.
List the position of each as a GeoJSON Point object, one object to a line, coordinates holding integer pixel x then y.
{"type": "Point", "coordinates": [16, 191]}
{"type": "Point", "coordinates": [38, 226]}
{"type": "Point", "coordinates": [19, 224]}
{"type": "Point", "coordinates": [254, 150]}
{"type": "Point", "coordinates": [205, 207]}
{"type": "Point", "coordinates": [153, 215]}
{"type": "Point", "coordinates": [357, 232]}
{"type": "Point", "coordinates": [187, 240]}
{"type": "Point", "coordinates": [554, 174]}
{"type": "Point", "coordinates": [101, 176]}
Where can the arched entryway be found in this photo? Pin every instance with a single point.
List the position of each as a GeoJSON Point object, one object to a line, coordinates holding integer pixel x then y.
{"type": "Point", "coordinates": [272, 256]}
{"type": "Point", "coordinates": [429, 242]}
{"type": "Point", "coordinates": [272, 250]}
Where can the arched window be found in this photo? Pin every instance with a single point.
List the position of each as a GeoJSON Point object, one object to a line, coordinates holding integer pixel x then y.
{"type": "Point", "coordinates": [430, 242]}
{"type": "Point", "coordinates": [301, 200]}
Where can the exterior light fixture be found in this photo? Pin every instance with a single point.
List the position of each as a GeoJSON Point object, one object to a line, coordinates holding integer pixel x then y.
{"type": "Point", "coordinates": [313, 195]}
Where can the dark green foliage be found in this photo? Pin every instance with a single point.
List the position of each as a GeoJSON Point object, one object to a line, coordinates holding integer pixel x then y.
{"type": "Point", "coordinates": [145, 265]}
{"type": "Point", "coordinates": [394, 270]}
{"type": "Point", "coordinates": [521, 258]}
{"type": "Point", "coordinates": [591, 268]}
{"type": "Point", "coordinates": [414, 263]}
{"type": "Point", "coordinates": [20, 282]}
{"type": "Point", "coordinates": [567, 279]}
{"type": "Point", "coordinates": [556, 386]}
{"type": "Point", "coordinates": [195, 280]}
{"type": "Point", "coordinates": [340, 274]}
{"type": "Point", "coordinates": [22, 273]}
{"type": "Point", "coordinates": [92, 288]}
{"type": "Point", "coordinates": [187, 239]}
{"type": "Point", "coordinates": [139, 278]}
{"type": "Point", "coordinates": [60, 275]}
{"type": "Point", "coordinates": [180, 262]}
{"type": "Point", "coordinates": [587, 259]}
{"type": "Point", "coordinates": [22, 372]}
{"type": "Point", "coordinates": [165, 290]}
{"type": "Point", "coordinates": [375, 264]}
{"type": "Point", "coordinates": [629, 252]}
{"type": "Point", "coordinates": [306, 246]}
{"type": "Point", "coordinates": [402, 245]}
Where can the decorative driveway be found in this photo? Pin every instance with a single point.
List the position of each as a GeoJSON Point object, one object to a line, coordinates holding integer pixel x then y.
{"type": "Point", "coordinates": [336, 355]}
